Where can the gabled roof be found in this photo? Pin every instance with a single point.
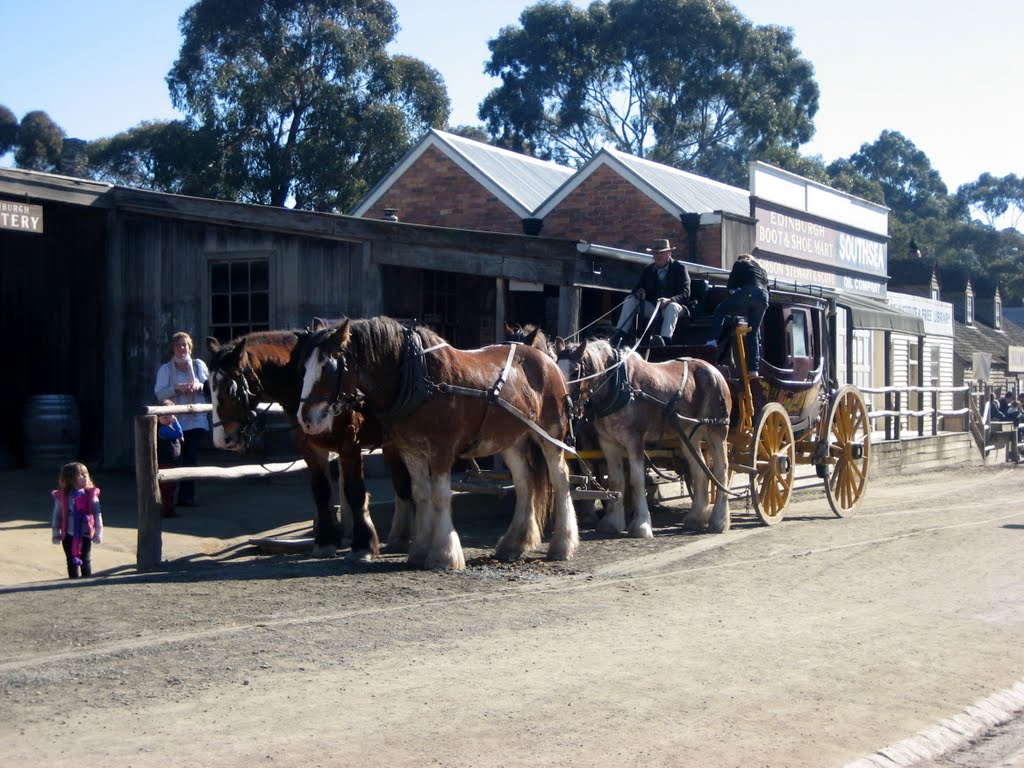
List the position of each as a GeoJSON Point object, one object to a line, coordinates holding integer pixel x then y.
{"type": "Point", "coordinates": [676, 191]}
{"type": "Point", "coordinates": [980, 337]}
{"type": "Point", "coordinates": [519, 181]}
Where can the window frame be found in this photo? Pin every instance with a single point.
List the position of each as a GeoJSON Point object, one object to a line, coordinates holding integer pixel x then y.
{"type": "Point", "coordinates": [229, 258]}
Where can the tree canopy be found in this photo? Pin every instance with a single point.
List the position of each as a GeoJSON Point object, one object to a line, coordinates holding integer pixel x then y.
{"type": "Point", "coordinates": [301, 96]}
{"type": "Point", "coordinates": [8, 130]}
{"type": "Point", "coordinates": [689, 83]}
{"type": "Point", "coordinates": [40, 141]}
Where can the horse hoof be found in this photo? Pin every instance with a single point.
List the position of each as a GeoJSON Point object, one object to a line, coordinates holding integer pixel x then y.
{"type": "Point", "coordinates": [560, 551]}
{"type": "Point", "coordinates": [360, 556]}
{"type": "Point", "coordinates": [693, 526]}
{"type": "Point", "coordinates": [507, 555]}
{"type": "Point", "coordinates": [641, 532]}
{"type": "Point", "coordinates": [720, 527]}
{"type": "Point", "coordinates": [325, 552]}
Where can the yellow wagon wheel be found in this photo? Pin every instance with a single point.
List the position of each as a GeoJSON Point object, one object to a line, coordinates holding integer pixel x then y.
{"type": "Point", "coordinates": [849, 448]}
{"type": "Point", "coordinates": [773, 457]}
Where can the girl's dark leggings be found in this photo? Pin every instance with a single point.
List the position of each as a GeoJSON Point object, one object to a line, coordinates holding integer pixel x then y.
{"type": "Point", "coordinates": [85, 569]}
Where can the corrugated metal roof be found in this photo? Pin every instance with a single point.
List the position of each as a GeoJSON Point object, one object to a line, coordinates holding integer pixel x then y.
{"type": "Point", "coordinates": [519, 181]}
{"type": "Point", "coordinates": [526, 179]}
{"type": "Point", "coordinates": [686, 191]}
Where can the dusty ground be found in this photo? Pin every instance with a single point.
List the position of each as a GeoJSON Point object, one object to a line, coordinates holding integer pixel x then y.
{"type": "Point", "coordinates": [810, 643]}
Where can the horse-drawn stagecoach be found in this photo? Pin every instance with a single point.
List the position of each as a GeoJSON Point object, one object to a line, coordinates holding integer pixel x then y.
{"type": "Point", "coordinates": [371, 381]}
{"type": "Point", "coordinates": [792, 414]}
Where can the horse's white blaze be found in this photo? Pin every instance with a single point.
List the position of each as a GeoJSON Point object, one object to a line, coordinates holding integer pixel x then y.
{"type": "Point", "coordinates": [316, 418]}
{"type": "Point", "coordinates": [219, 436]}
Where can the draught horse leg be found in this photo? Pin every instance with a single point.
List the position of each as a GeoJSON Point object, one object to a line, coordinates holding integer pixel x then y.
{"type": "Point", "coordinates": [326, 528]}
{"type": "Point", "coordinates": [614, 518]}
{"type": "Point", "coordinates": [403, 519]}
{"type": "Point", "coordinates": [523, 532]}
{"type": "Point", "coordinates": [565, 536]}
{"type": "Point", "coordinates": [365, 544]}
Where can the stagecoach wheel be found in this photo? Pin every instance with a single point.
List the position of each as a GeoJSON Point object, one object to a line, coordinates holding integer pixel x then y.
{"type": "Point", "coordinates": [773, 457]}
{"type": "Point", "coordinates": [849, 448]}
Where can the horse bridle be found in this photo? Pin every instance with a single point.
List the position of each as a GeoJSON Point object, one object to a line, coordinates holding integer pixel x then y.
{"type": "Point", "coordinates": [244, 384]}
{"type": "Point", "coordinates": [340, 401]}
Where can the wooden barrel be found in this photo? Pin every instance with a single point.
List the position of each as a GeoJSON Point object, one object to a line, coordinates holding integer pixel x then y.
{"type": "Point", "coordinates": [52, 431]}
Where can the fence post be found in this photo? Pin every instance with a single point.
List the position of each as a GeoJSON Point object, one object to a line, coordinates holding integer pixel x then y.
{"type": "Point", "coordinates": [935, 412]}
{"type": "Point", "coordinates": [899, 418]}
{"type": "Point", "coordinates": [888, 419]}
{"type": "Point", "coordinates": [150, 531]}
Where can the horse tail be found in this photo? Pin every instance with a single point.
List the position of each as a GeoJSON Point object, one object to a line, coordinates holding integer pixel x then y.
{"type": "Point", "coordinates": [543, 496]}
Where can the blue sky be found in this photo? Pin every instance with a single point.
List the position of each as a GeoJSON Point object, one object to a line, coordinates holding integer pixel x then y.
{"type": "Point", "coordinates": [946, 75]}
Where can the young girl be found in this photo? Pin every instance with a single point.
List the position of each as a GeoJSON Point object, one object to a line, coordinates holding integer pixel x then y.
{"type": "Point", "coordinates": [77, 522]}
{"type": "Point", "coordinates": [168, 451]}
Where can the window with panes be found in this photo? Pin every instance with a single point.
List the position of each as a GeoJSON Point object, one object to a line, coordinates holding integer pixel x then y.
{"type": "Point", "coordinates": [239, 297]}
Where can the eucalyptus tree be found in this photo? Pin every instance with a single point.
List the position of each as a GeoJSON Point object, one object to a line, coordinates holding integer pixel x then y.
{"type": "Point", "coordinates": [167, 156]}
{"type": "Point", "coordinates": [40, 141]}
{"type": "Point", "coordinates": [304, 101]}
{"type": "Point", "coordinates": [689, 83]}
{"type": "Point", "coordinates": [8, 130]}
{"type": "Point", "coordinates": [995, 200]}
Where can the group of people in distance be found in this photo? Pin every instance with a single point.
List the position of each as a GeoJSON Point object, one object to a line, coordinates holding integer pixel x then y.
{"type": "Point", "coordinates": [664, 287]}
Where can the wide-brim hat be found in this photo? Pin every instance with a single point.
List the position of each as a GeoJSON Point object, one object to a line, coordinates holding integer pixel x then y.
{"type": "Point", "coordinates": [659, 246]}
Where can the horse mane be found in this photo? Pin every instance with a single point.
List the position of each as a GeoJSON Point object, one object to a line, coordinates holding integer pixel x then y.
{"type": "Point", "coordinates": [381, 339]}
{"type": "Point", "coordinates": [260, 347]}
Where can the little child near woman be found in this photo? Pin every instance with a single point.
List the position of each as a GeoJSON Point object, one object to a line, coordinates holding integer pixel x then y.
{"type": "Point", "coordinates": [77, 521]}
{"type": "Point", "coordinates": [168, 454]}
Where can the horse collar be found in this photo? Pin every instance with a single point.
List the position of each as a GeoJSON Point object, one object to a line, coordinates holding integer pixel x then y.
{"type": "Point", "coordinates": [620, 392]}
{"type": "Point", "coordinates": [413, 386]}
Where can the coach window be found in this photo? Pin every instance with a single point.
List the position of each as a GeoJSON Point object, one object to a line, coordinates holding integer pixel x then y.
{"type": "Point", "coordinates": [799, 331]}
{"type": "Point", "coordinates": [239, 297]}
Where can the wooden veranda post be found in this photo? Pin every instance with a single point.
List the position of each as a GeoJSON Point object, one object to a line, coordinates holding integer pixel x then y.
{"type": "Point", "coordinates": [148, 548]}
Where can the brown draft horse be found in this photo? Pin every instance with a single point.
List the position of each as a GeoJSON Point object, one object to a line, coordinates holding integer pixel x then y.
{"type": "Point", "coordinates": [268, 367]}
{"type": "Point", "coordinates": [408, 377]}
{"type": "Point", "coordinates": [633, 401]}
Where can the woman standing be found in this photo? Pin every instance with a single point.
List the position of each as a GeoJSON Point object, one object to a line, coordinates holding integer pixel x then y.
{"type": "Point", "coordinates": [181, 380]}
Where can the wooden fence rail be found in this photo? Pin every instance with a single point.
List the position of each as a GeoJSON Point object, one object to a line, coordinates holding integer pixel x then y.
{"type": "Point", "coordinates": [148, 550]}
{"type": "Point", "coordinates": [894, 411]}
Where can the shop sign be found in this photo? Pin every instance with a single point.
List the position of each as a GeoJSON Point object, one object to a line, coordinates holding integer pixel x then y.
{"type": "Point", "coordinates": [937, 315]}
{"type": "Point", "coordinates": [21, 216]}
{"type": "Point", "coordinates": [789, 233]}
{"type": "Point", "coordinates": [1015, 359]}
{"type": "Point", "coordinates": [808, 275]}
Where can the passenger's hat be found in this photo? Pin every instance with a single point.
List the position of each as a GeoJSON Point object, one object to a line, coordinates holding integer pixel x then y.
{"type": "Point", "coordinates": [659, 246]}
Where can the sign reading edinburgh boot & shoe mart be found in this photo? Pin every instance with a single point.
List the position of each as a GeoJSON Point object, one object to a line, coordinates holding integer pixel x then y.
{"type": "Point", "coordinates": [809, 233]}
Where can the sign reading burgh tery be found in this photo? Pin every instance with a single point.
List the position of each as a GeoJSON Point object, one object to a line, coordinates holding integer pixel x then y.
{"type": "Point", "coordinates": [791, 234]}
{"type": "Point", "coordinates": [21, 216]}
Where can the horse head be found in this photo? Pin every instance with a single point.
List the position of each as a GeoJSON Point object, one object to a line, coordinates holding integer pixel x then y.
{"type": "Point", "coordinates": [234, 390]}
{"type": "Point", "coordinates": [583, 365]}
{"type": "Point", "coordinates": [531, 335]}
{"type": "Point", "coordinates": [328, 385]}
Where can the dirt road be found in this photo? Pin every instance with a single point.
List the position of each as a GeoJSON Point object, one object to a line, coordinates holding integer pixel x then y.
{"type": "Point", "coordinates": [811, 643]}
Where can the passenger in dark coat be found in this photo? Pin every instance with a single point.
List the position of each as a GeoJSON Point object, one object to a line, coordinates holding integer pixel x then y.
{"type": "Point", "coordinates": [748, 297]}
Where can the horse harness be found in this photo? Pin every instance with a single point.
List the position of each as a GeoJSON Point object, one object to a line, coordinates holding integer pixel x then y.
{"type": "Point", "coordinates": [249, 388]}
{"type": "Point", "coordinates": [415, 387]}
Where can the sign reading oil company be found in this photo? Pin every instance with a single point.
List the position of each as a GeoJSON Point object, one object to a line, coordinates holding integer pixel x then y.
{"type": "Point", "coordinates": [21, 216]}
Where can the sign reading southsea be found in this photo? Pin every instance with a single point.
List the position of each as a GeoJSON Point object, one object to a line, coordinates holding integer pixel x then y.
{"type": "Point", "coordinates": [789, 235]}
{"type": "Point", "coordinates": [21, 216]}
